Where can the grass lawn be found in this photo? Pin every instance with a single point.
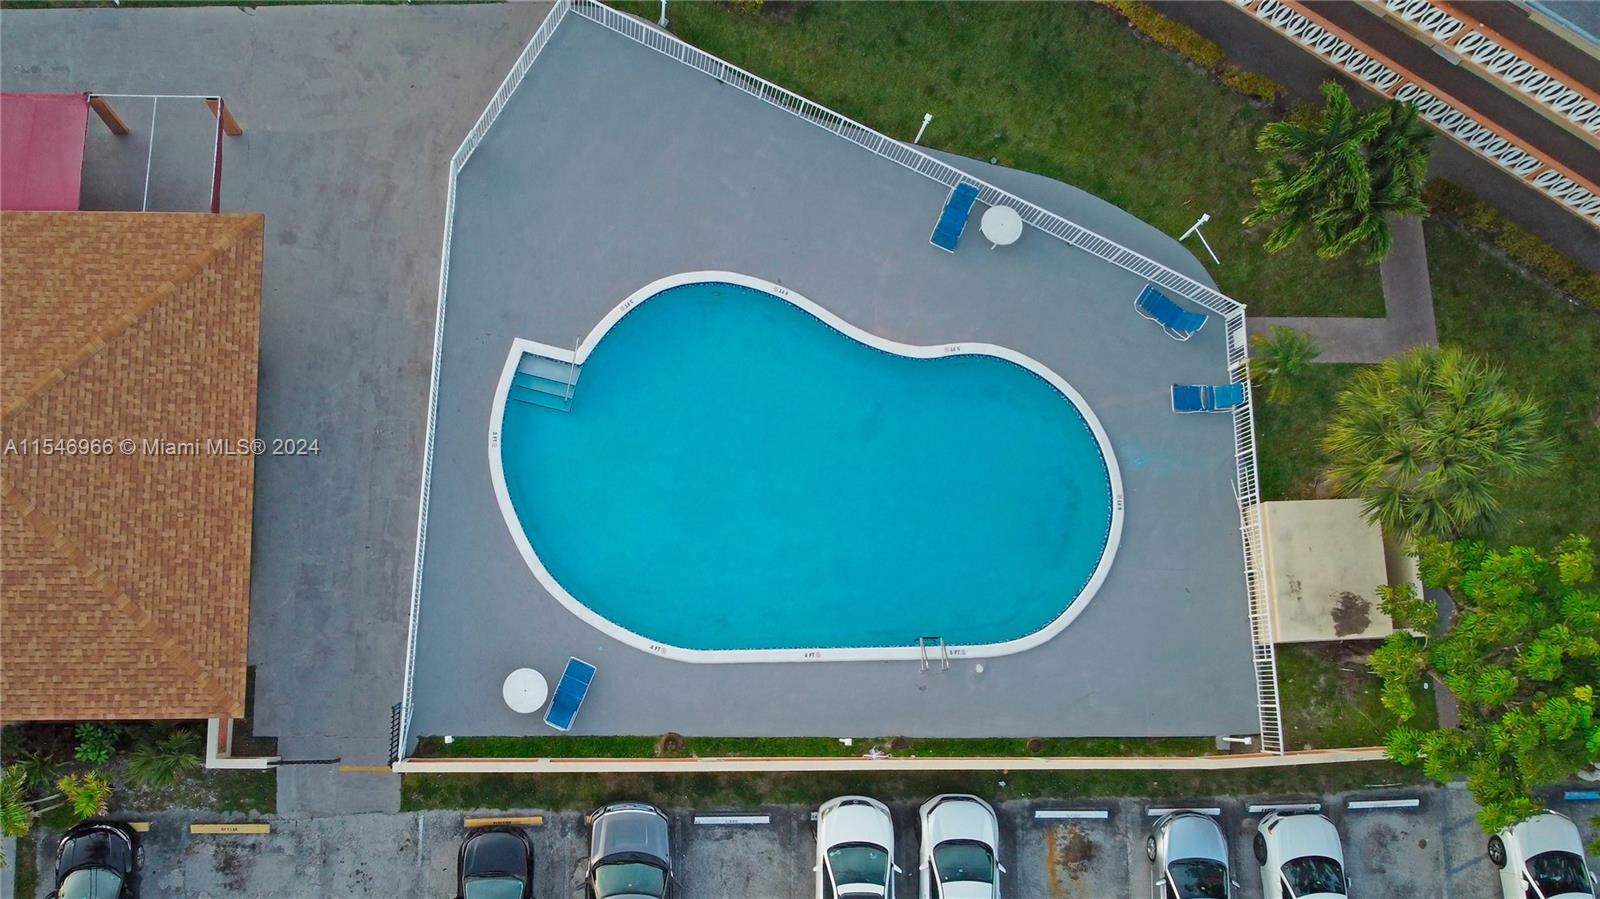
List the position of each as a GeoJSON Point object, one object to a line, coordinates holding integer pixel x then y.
{"type": "Point", "coordinates": [563, 792]}
{"type": "Point", "coordinates": [1331, 699]}
{"type": "Point", "coordinates": [812, 747]}
{"type": "Point", "coordinates": [1288, 459]}
{"type": "Point", "coordinates": [1062, 89]}
{"type": "Point", "coordinates": [1550, 348]}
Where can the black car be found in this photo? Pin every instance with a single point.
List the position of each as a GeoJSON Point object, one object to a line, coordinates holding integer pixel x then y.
{"type": "Point", "coordinates": [630, 853]}
{"type": "Point", "coordinates": [495, 863]}
{"type": "Point", "coordinates": [98, 860]}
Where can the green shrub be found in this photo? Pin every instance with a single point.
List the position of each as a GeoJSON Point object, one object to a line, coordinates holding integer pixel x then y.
{"type": "Point", "coordinates": [162, 755]}
{"type": "Point", "coordinates": [96, 743]}
{"type": "Point", "coordinates": [1173, 35]}
{"type": "Point", "coordinates": [1518, 243]}
{"type": "Point", "coordinates": [1252, 85]}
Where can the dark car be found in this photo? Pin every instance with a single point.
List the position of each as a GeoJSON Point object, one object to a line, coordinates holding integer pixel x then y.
{"type": "Point", "coordinates": [630, 855]}
{"type": "Point", "coordinates": [495, 863]}
{"type": "Point", "coordinates": [98, 860]}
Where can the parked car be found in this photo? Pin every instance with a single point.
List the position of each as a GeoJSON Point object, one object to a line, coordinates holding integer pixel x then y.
{"type": "Point", "coordinates": [630, 853]}
{"type": "Point", "coordinates": [855, 849]}
{"type": "Point", "coordinates": [495, 863]}
{"type": "Point", "coordinates": [960, 849]}
{"type": "Point", "coordinates": [1301, 857]}
{"type": "Point", "coordinates": [1188, 858]}
{"type": "Point", "coordinates": [1542, 858]}
{"type": "Point", "coordinates": [98, 860]}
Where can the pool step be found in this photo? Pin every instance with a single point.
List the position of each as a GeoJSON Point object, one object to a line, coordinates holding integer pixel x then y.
{"type": "Point", "coordinates": [558, 370]}
{"type": "Point", "coordinates": [539, 398]}
{"type": "Point", "coordinates": [543, 381]}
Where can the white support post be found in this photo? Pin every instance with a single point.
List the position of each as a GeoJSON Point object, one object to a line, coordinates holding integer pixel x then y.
{"type": "Point", "coordinates": [663, 20]}
{"type": "Point", "coordinates": [1195, 230]}
{"type": "Point", "coordinates": [926, 118]}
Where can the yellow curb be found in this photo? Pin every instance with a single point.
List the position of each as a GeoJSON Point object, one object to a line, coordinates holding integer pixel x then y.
{"type": "Point", "coordinates": [530, 821]}
{"type": "Point", "coordinates": [230, 828]}
{"type": "Point", "coordinates": [365, 769]}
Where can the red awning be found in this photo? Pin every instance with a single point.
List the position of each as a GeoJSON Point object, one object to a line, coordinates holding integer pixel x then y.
{"type": "Point", "coordinates": [41, 150]}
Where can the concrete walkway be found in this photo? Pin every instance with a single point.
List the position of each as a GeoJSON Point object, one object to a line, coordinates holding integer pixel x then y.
{"type": "Point", "coordinates": [1407, 298]}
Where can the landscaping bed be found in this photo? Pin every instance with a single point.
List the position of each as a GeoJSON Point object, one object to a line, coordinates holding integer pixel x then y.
{"type": "Point", "coordinates": [675, 746]}
{"type": "Point", "coordinates": [564, 792]}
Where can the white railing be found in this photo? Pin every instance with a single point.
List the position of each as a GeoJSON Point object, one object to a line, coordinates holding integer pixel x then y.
{"type": "Point", "coordinates": [1513, 67]}
{"type": "Point", "coordinates": [1518, 159]}
{"type": "Point", "coordinates": [1231, 311]}
{"type": "Point", "coordinates": [502, 96]}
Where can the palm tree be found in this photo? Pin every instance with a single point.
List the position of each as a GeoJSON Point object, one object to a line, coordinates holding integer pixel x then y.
{"type": "Point", "coordinates": [1283, 355]}
{"type": "Point", "coordinates": [1342, 174]}
{"type": "Point", "coordinates": [1426, 438]}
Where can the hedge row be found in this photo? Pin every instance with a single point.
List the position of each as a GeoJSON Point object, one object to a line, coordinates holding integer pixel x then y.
{"type": "Point", "coordinates": [1519, 244]}
{"type": "Point", "coordinates": [1198, 49]}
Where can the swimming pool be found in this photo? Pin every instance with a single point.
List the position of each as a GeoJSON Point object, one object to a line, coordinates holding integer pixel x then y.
{"type": "Point", "coordinates": [742, 476]}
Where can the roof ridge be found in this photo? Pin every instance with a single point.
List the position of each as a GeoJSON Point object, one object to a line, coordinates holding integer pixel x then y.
{"type": "Point", "coordinates": [163, 291]}
{"type": "Point", "coordinates": [172, 650]}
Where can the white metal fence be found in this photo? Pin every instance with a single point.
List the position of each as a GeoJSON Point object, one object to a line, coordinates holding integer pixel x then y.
{"type": "Point", "coordinates": [1170, 280]}
{"type": "Point", "coordinates": [497, 103]}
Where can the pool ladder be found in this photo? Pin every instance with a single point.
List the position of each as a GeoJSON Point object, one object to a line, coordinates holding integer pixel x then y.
{"type": "Point", "coordinates": [926, 643]}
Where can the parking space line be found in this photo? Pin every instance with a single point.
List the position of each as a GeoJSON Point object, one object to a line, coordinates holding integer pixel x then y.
{"type": "Point", "coordinates": [733, 819]}
{"type": "Point", "coordinates": [234, 829]}
{"type": "Point", "coordinates": [525, 821]}
{"type": "Point", "coordinates": [140, 826]}
{"type": "Point", "coordinates": [1045, 813]}
{"type": "Point", "coordinates": [1285, 807]}
{"type": "Point", "coordinates": [1365, 804]}
{"type": "Point", "coordinates": [1158, 812]}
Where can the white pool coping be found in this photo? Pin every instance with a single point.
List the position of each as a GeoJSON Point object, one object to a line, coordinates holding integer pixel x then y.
{"type": "Point", "coordinates": [1074, 608]}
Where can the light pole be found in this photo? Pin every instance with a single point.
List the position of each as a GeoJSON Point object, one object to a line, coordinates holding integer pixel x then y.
{"type": "Point", "coordinates": [926, 118]}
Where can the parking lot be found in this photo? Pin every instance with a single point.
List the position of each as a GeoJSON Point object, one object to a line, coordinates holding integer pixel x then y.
{"type": "Point", "coordinates": [1052, 850]}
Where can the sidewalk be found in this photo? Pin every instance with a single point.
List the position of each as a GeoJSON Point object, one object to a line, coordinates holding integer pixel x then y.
{"type": "Point", "coordinates": [1407, 298]}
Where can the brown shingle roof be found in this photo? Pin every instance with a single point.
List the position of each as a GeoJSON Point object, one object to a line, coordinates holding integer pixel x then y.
{"type": "Point", "coordinates": [125, 577]}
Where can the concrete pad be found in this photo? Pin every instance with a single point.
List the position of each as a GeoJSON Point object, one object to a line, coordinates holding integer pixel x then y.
{"type": "Point", "coordinates": [1324, 565]}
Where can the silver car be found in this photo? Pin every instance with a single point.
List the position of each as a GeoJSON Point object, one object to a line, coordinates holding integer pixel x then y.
{"type": "Point", "coordinates": [630, 853]}
{"type": "Point", "coordinates": [1188, 858]}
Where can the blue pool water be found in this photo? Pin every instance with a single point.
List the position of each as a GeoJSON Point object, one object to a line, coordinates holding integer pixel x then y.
{"type": "Point", "coordinates": [735, 474]}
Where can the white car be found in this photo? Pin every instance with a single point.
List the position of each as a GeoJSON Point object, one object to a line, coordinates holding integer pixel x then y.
{"type": "Point", "coordinates": [960, 849]}
{"type": "Point", "coordinates": [855, 849]}
{"type": "Point", "coordinates": [1300, 857]}
{"type": "Point", "coordinates": [1188, 858]}
{"type": "Point", "coordinates": [1542, 858]}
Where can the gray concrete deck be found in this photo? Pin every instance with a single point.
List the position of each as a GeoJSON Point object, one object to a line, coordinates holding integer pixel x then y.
{"type": "Point", "coordinates": [613, 166]}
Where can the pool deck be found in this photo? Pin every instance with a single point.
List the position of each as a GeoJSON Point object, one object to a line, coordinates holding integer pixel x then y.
{"type": "Point", "coordinates": [613, 166]}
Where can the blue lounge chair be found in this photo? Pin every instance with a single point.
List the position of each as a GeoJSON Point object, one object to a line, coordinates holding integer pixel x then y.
{"type": "Point", "coordinates": [570, 691]}
{"type": "Point", "coordinates": [1178, 322]}
{"type": "Point", "coordinates": [1227, 397]}
{"type": "Point", "coordinates": [1204, 398]}
{"type": "Point", "coordinates": [953, 220]}
{"type": "Point", "coordinates": [1190, 397]}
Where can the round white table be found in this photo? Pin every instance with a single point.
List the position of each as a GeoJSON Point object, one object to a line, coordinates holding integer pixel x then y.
{"type": "Point", "coordinates": [525, 691]}
{"type": "Point", "coordinates": [1001, 225]}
